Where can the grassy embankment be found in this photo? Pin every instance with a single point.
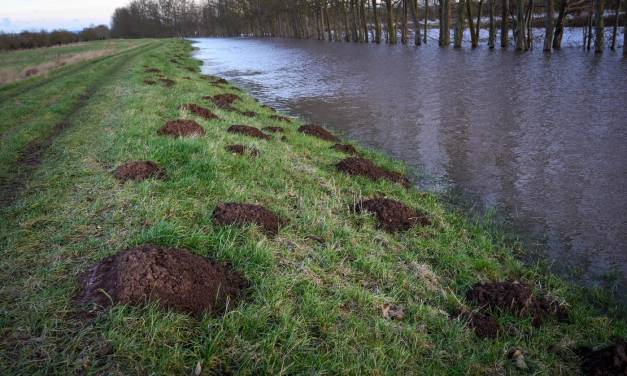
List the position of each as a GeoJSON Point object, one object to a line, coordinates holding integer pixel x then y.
{"type": "Point", "coordinates": [317, 287]}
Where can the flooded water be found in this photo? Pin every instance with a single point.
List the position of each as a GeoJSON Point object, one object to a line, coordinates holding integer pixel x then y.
{"type": "Point", "coordinates": [541, 140]}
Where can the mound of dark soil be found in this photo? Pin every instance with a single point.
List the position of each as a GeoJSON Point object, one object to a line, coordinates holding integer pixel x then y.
{"type": "Point", "coordinates": [152, 70]}
{"type": "Point", "coordinates": [392, 215]}
{"type": "Point", "coordinates": [517, 298]}
{"type": "Point", "coordinates": [241, 150]}
{"type": "Point", "coordinates": [150, 82]}
{"type": "Point", "coordinates": [31, 72]}
{"type": "Point", "coordinates": [365, 167]}
{"type": "Point", "coordinates": [345, 148]}
{"type": "Point", "coordinates": [281, 118]}
{"type": "Point", "coordinates": [248, 113]}
{"type": "Point", "coordinates": [181, 128]}
{"type": "Point", "coordinates": [247, 130]}
{"type": "Point", "coordinates": [200, 111]}
{"type": "Point", "coordinates": [191, 69]}
{"type": "Point", "coordinates": [224, 101]}
{"type": "Point", "coordinates": [610, 360]}
{"type": "Point", "coordinates": [317, 131]}
{"type": "Point", "coordinates": [243, 214]}
{"type": "Point", "coordinates": [176, 278]}
{"type": "Point", "coordinates": [484, 326]}
{"type": "Point", "coordinates": [167, 82]}
{"type": "Point", "coordinates": [138, 170]}
{"type": "Point", "coordinates": [275, 129]}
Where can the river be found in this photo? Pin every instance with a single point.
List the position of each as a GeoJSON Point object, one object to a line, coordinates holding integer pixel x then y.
{"type": "Point", "coordinates": [541, 140]}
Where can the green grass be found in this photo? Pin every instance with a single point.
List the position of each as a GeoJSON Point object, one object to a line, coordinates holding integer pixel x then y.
{"type": "Point", "coordinates": [313, 309]}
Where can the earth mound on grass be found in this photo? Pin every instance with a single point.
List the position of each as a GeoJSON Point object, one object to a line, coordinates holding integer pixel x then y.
{"type": "Point", "coordinates": [167, 82]}
{"type": "Point", "coordinates": [392, 215]}
{"type": "Point", "coordinates": [181, 128]}
{"type": "Point", "coordinates": [317, 131]}
{"type": "Point", "coordinates": [247, 130]}
{"type": "Point", "coordinates": [224, 101]}
{"type": "Point", "coordinates": [176, 278]}
{"type": "Point", "coordinates": [610, 360]}
{"type": "Point", "coordinates": [243, 214]}
{"type": "Point", "coordinates": [149, 82]}
{"type": "Point", "coordinates": [517, 298]}
{"type": "Point", "coordinates": [275, 129]}
{"type": "Point", "coordinates": [281, 118]}
{"type": "Point", "coordinates": [152, 70]}
{"type": "Point", "coordinates": [138, 170]}
{"type": "Point", "coordinates": [31, 72]}
{"type": "Point", "coordinates": [345, 148]}
{"type": "Point", "coordinates": [200, 111]}
{"type": "Point", "coordinates": [484, 326]}
{"type": "Point", "coordinates": [242, 150]}
{"type": "Point", "coordinates": [365, 167]}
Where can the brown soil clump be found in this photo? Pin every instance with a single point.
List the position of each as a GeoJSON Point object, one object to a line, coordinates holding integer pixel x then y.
{"type": "Point", "coordinates": [149, 82]}
{"type": "Point", "coordinates": [152, 70]}
{"type": "Point", "coordinates": [248, 131]}
{"type": "Point", "coordinates": [200, 111]}
{"type": "Point", "coordinates": [167, 82]}
{"type": "Point", "coordinates": [517, 298]}
{"type": "Point", "coordinates": [484, 326]}
{"type": "Point", "coordinates": [138, 170]}
{"type": "Point", "coordinates": [392, 215]}
{"type": "Point", "coordinates": [249, 113]}
{"type": "Point", "coordinates": [242, 150]}
{"type": "Point", "coordinates": [176, 278]}
{"type": "Point", "coordinates": [318, 131]}
{"type": "Point", "coordinates": [281, 118]}
{"type": "Point", "coordinates": [365, 167]}
{"type": "Point", "coordinates": [243, 214]}
{"type": "Point", "coordinates": [275, 129]}
{"type": "Point", "coordinates": [224, 101]}
{"type": "Point", "coordinates": [345, 148]}
{"type": "Point", "coordinates": [191, 69]}
{"type": "Point", "coordinates": [181, 128]}
{"type": "Point", "coordinates": [610, 360]}
{"type": "Point", "coordinates": [31, 72]}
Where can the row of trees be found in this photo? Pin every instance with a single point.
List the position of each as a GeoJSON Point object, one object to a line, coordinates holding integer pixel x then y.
{"type": "Point", "coordinates": [375, 20]}
{"type": "Point", "coordinates": [27, 39]}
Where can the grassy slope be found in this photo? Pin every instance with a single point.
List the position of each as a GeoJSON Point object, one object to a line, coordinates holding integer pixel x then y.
{"type": "Point", "coordinates": [314, 308]}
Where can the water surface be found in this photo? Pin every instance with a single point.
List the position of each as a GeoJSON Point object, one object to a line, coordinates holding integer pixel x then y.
{"type": "Point", "coordinates": [540, 139]}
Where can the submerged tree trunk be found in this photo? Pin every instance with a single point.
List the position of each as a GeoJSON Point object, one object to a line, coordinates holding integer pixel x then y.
{"type": "Point", "coordinates": [548, 26]}
{"type": "Point", "coordinates": [478, 24]}
{"type": "Point", "coordinates": [492, 27]}
{"type": "Point", "coordinates": [424, 36]}
{"type": "Point", "coordinates": [354, 33]}
{"type": "Point", "coordinates": [589, 42]}
{"type": "Point", "coordinates": [559, 25]}
{"type": "Point", "coordinates": [615, 29]}
{"type": "Point", "coordinates": [599, 33]}
{"type": "Point", "coordinates": [445, 23]}
{"type": "Point", "coordinates": [471, 26]}
{"type": "Point", "coordinates": [404, 23]}
{"type": "Point", "coordinates": [391, 23]}
{"type": "Point", "coordinates": [364, 22]}
{"type": "Point", "coordinates": [414, 15]}
{"type": "Point", "coordinates": [377, 24]}
{"type": "Point", "coordinates": [528, 22]}
{"type": "Point", "coordinates": [458, 36]}
{"type": "Point", "coordinates": [505, 24]}
{"type": "Point", "coordinates": [520, 26]}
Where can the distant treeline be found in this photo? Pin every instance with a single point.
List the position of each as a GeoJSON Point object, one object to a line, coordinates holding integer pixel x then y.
{"type": "Point", "coordinates": [376, 20]}
{"type": "Point", "coordinates": [28, 39]}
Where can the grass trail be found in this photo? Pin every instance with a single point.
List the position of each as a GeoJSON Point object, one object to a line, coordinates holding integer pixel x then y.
{"type": "Point", "coordinates": [318, 287]}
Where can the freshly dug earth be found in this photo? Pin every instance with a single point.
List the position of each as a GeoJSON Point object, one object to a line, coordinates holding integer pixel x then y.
{"type": "Point", "coordinates": [365, 167]}
{"type": "Point", "coordinates": [517, 298]}
{"type": "Point", "coordinates": [318, 131]}
{"type": "Point", "coordinates": [200, 111]}
{"type": "Point", "coordinates": [224, 101]}
{"type": "Point", "coordinates": [345, 148]}
{"type": "Point", "coordinates": [610, 360]}
{"type": "Point", "coordinates": [281, 118]}
{"type": "Point", "coordinates": [181, 128]}
{"type": "Point", "coordinates": [392, 215]}
{"type": "Point", "coordinates": [484, 326]}
{"type": "Point", "coordinates": [275, 129]}
{"type": "Point", "coordinates": [243, 214]}
{"type": "Point", "coordinates": [248, 131]}
{"type": "Point", "coordinates": [138, 170]}
{"type": "Point", "coordinates": [175, 278]}
{"type": "Point", "coordinates": [241, 150]}
{"type": "Point", "coordinates": [167, 82]}
{"type": "Point", "coordinates": [150, 82]}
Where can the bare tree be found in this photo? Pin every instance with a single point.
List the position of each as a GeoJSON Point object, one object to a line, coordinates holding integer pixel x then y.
{"type": "Point", "coordinates": [599, 33]}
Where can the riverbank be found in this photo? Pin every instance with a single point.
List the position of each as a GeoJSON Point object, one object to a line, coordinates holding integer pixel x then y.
{"type": "Point", "coordinates": [328, 289]}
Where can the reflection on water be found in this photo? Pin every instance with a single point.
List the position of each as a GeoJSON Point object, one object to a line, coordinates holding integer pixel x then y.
{"type": "Point", "coordinates": [540, 138]}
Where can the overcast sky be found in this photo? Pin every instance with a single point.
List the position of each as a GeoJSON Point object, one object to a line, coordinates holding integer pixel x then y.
{"type": "Point", "coordinates": [18, 15]}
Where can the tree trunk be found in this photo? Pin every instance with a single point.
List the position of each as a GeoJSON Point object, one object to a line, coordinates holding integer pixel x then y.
{"type": "Point", "coordinates": [326, 17]}
{"type": "Point", "coordinates": [424, 36]}
{"type": "Point", "coordinates": [548, 25]}
{"type": "Point", "coordinates": [471, 25]}
{"type": "Point", "coordinates": [414, 15]}
{"type": "Point", "coordinates": [504, 24]}
{"type": "Point", "coordinates": [391, 23]}
{"type": "Point", "coordinates": [589, 42]}
{"type": "Point", "coordinates": [347, 34]}
{"type": "Point", "coordinates": [354, 33]}
{"type": "Point", "coordinates": [364, 22]}
{"type": "Point", "coordinates": [404, 23]}
{"type": "Point", "coordinates": [615, 29]}
{"type": "Point", "coordinates": [492, 31]}
{"type": "Point", "coordinates": [458, 36]}
{"type": "Point", "coordinates": [445, 23]}
{"type": "Point", "coordinates": [528, 23]}
{"type": "Point", "coordinates": [520, 26]}
{"type": "Point", "coordinates": [377, 24]}
{"type": "Point", "coordinates": [599, 34]}
{"type": "Point", "coordinates": [559, 25]}
{"type": "Point", "coordinates": [478, 24]}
